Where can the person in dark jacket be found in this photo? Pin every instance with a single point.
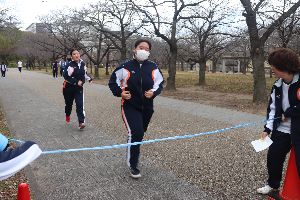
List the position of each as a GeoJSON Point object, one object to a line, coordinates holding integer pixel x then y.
{"type": "Point", "coordinates": [138, 82]}
{"type": "Point", "coordinates": [284, 108]}
{"type": "Point", "coordinates": [75, 75]}
{"type": "Point", "coordinates": [63, 64]}
{"type": "Point", "coordinates": [3, 69]}
{"type": "Point", "coordinates": [54, 69]}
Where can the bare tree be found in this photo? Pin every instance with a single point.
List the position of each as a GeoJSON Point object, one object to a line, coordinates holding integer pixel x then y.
{"type": "Point", "coordinates": [258, 39]}
{"type": "Point", "coordinates": [240, 48]}
{"type": "Point", "coordinates": [29, 48]}
{"type": "Point", "coordinates": [116, 20]}
{"type": "Point", "coordinates": [7, 20]}
{"type": "Point", "coordinates": [206, 38]}
{"type": "Point", "coordinates": [167, 28]}
{"type": "Point", "coordinates": [67, 30]}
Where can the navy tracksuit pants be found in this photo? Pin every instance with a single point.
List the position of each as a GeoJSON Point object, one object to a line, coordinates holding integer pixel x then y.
{"type": "Point", "coordinates": [3, 73]}
{"type": "Point", "coordinates": [276, 157]}
{"type": "Point", "coordinates": [70, 93]}
{"type": "Point", "coordinates": [136, 122]}
{"type": "Point", "coordinates": [54, 72]}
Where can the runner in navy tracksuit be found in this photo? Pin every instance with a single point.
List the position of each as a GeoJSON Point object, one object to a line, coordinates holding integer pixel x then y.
{"type": "Point", "coordinates": [284, 108]}
{"type": "Point", "coordinates": [75, 75]}
{"type": "Point", "coordinates": [138, 82]}
{"type": "Point", "coordinates": [13, 160]}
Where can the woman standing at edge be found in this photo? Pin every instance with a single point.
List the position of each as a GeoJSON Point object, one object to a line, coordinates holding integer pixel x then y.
{"type": "Point", "coordinates": [75, 75]}
{"type": "Point", "coordinates": [284, 108]}
{"type": "Point", "coordinates": [138, 82]}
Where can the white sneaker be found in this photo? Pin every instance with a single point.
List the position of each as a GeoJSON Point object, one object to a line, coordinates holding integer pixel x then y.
{"type": "Point", "coordinates": [264, 190]}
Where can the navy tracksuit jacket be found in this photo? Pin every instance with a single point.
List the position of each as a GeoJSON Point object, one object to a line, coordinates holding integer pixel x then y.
{"type": "Point", "coordinates": [73, 73]}
{"type": "Point", "coordinates": [136, 77]}
{"type": "Point", "coordinates": [282, 141]}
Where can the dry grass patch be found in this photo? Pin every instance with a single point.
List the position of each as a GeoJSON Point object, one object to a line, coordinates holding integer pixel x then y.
{"type": "Point", "coordinates": [220, 82]}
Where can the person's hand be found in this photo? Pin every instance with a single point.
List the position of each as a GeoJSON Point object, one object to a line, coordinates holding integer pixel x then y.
{"type": "Point", "coordinates": [263, 135]}
{"type": "Point", "coordinates": [126, 95]}
{"type": "Point", "coordinates": [149, 94]}
{"type": "Point", "coordinates": [283, 118]}
{"type": "Point", "coordinates": [79, 83]}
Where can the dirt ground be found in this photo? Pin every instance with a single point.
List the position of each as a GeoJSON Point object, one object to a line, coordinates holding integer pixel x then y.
{"type": "Point", "coordinates": [239, 102]}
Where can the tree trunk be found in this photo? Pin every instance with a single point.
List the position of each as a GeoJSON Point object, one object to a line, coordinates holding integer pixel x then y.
{"type": "Point", "coordinates": [123, 50]}
{"type": "Point", "coordinates": [202, 68]}
{"type": "Point", "coordinates": [214, 67]}
{"type": "Point", "coordinates": [172, 69]}
{"type": "Point", "coordinates": [45, 65]}
{"type": "Point", "coordinates": [182, 66]}
{"type": "Point", "coordinates": [259, 90]}
{"type": "Point", "coordinates": [243, 65]}
{"type": "Point", "coordinates": [107, 63]}
{"type": "Point", "coordinates": [97, 70]}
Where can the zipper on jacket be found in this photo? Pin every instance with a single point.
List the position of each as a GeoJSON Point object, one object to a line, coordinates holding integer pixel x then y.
{"type": "Point", "coordinates": [142, 86]}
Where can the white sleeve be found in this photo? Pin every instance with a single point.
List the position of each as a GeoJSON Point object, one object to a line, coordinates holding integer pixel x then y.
{"type": "Point", "coordinates": [269, 124]}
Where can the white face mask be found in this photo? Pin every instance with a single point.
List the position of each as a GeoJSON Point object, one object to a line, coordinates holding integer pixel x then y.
{"type": "Point", "coordinates": [142, 55]}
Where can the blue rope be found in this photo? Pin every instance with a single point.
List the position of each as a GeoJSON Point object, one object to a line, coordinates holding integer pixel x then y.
{"type": "Point", "coordinates": [115, 146]}
{"type": "Point", "coordinates": [15, 140]}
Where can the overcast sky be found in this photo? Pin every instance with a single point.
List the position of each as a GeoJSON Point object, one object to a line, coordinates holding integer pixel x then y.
{"type": "Point", "coordinates": [27, 11]}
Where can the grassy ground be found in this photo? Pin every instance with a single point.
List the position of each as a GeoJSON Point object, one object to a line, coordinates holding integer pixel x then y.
{"type": "Point", "coordinates": [8, 187]}
{"type": "Point", "coordinates": [220, 82]}
{"type": "Point", "coordinates": [233, 91]}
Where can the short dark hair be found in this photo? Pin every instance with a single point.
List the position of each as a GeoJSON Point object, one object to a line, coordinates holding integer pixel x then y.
{"type": "Point", "coordinates": [285, 60]}
{"type": "Point", "coordinates": [139, 41]}
{"type": "Point", "coordinates": [73, 49]}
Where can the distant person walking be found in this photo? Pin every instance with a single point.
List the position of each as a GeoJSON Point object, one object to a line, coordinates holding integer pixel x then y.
{"type": "Point", "coordinates": [75, 75]}
{"type": "Point", "coordinates": [63, 64]}
{"type": "Point", "coordinates": [138, 82]}
{"type": "Point", "coordinates": [20, 66]}
{"type": "Point", "coordinates": [3, 69]}
{"type": "Point", "coordinates": [27, 65]}
{"type": "Point", "coordinates": [55, 69]}
{"type": "Point", "coordinates": [284, 108]}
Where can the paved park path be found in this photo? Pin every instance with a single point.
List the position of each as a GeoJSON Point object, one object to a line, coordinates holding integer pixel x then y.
{"type": "Point", "coordinates": [220, 166]}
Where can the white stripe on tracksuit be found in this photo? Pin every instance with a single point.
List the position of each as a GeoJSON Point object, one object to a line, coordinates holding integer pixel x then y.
{"type": "Point", "coordinates": [129, 136]}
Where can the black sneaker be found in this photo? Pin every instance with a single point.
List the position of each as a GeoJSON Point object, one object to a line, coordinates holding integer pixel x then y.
{"type": "Point", "coordinates": [274, 194]}
{"type": "Point", "coordinates": [135, 173]}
